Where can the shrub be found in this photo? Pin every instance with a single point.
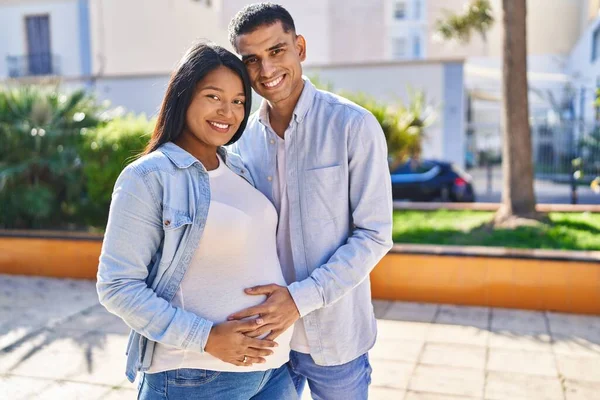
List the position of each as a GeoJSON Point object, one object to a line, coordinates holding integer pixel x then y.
{"type": "Point", "coordinates": [40, 170]}
{"type": "Point", "coordinates": [106, 150]}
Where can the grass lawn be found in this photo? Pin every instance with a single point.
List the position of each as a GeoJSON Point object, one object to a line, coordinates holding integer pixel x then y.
{"type": "Point", "coordinates": [567, 231]}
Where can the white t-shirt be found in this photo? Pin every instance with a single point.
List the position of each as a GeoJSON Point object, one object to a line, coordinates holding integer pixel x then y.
{"type": "Point", "coordinates": [284, 244]}
{"type": "Point", "coordinates": [237, 251]}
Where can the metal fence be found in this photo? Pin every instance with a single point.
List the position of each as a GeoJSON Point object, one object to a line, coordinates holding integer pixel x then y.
{"type": "Point", "coordinates": [557, 149]}
{"type": "Point", "coordinates": [566, 156]}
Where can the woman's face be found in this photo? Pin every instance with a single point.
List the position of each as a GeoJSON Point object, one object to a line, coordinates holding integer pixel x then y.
{"type": "Point", "coordinates": [216, 110]}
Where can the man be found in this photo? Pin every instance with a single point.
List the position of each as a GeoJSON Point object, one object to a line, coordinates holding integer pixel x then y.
{"type": "Point", "coordinates": [322, 161]}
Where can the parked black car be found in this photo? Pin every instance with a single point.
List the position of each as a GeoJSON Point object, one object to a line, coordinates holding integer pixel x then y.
{"type": "Point", "coordinates": [431, 180]}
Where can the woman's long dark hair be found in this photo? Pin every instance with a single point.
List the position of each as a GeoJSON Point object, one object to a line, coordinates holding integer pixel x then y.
{"type": "Point", "coordinates": [200, 59]}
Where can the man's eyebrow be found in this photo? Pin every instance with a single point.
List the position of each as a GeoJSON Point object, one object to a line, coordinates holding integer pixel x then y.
{"type": "Point", "coordinates": [277, 46]}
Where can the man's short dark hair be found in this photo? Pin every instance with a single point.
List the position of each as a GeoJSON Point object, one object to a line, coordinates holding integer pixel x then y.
{"type": "Point", "coordinates": [253, 16]}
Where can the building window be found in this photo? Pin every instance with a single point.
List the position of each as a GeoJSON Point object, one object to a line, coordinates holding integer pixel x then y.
{"type": "Point", "coordinates": [417, 47]}
{"type": "Point", "coordinates": [596, 44]}
{"type": "Point", "coordinates": [399, 47]}
{"type": "Point", "coordinates": [400, 9]}
{"type": "Point", "coordinates": [417, 11]}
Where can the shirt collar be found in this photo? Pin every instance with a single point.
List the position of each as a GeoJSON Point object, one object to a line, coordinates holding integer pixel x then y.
{"type": "Point", "coordinates": [304, 104]}
{"type": "Point", "coordinates": [183, 159]}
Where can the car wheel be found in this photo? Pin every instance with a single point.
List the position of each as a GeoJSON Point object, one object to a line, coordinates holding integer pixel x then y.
{"type": "Point", "coordinates": [445, 194]}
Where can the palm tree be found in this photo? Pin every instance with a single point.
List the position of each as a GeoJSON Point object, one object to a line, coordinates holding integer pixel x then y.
{"type": "Point", "coordinates": [40, 170]}
{"type": "Point", "coordinates": [403, 125]}
{"type": "Point", "coordinates": [518, 197]}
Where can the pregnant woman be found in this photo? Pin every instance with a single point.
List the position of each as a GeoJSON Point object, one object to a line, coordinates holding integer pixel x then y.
{"type": "Point", "coordinates": [187, 232]}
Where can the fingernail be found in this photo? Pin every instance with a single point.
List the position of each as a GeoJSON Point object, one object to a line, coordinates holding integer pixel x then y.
{"type": "Point", "coordinates": [249, 290]}
{"type": "Point", "coordinates": [259, 321]}
{"type": "Point", "coordinates": [276, 344]}
{"type": "Point", "coordinates": [229, 318]}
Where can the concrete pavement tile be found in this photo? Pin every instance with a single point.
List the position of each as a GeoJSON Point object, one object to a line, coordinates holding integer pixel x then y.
{"type": "Point", "coordinates": [576, 390]}
{"type": "Point", "coordinates": [519, 321]}
{"type": "Point", "coordinates": [410, 395]}
{"type": "Point", "coordinates": [391, 374]}
{"type": "Point", "coordinates": [20, 325]}
{"type": "Point", "coordinates": [77, 367]}
{"type": "Point", "coordinates": [60, 366]}
{"type": "Point", "coordinates": [462, 315]}
{"type": "Point", "coordinates": [62, 342]}
{"type": "Point", "coordinates": [396, 350]}
{"type": "Point", "coordinates": [102, 344]}
{"type": "Point", "coordinates": [101, 370]}
{"type": "Point", "coordinates": [502, 386]}
{"type": "Point", "coordinates": [72, 391]}
{"type": "Point", "coordinates": [574, 346]}
{"type": "Point", "coordinates": [35, 344]}
{"type": "Point", "coordinates": [416, 312]}
{"type": "Point", "coordinates": [454, 355]}
{"type": "Point", "coordinates": [120, 394]}
{"type": "Point", "coordinates": [523, 362]}
{"type": "Point", "coordinates": [17, 387]}
{"type": "Point", "coordinates": [401, 330]}
{"type": "Point", "coordinates": [579, 368]}
{"type": "Point", "coordinates": [96, 319]}
{"type": "Point", "coordinates": [584, 326]}
{"type": "Point", "coordinates": [458, 334]}
{"type": "Point", "coordinates": [378, 393]}
{"type": "Point", "coordinates": [447, 380]}
{"type": "Point", "coordinates": [380, 307]}
{"type": "Point", "coordinates": [510, 340]}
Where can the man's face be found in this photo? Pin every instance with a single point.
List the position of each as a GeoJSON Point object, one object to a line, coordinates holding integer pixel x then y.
{"type": "Point", "coordinates": [273, 58]}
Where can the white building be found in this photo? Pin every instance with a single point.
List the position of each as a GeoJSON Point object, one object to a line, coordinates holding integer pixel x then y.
{"type": "Point", "coordinates": [583, 68]}
{"type": "Point", "coordinates": [44, 38]}
{"type": "Point", "coordinates": [125, 50]}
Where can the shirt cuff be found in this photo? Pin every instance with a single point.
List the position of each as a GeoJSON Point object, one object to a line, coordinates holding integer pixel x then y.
{"type": "Point", "coordinates": [199, 336]}
{"type": "Point", "coordinates": [306, 295]}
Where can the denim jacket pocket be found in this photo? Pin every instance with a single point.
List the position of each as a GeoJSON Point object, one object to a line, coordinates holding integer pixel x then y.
{"type": "Point", "coordinates": [325, 192]}
{"type": "Point", "coordinates": [192, 377]}
{"type": "Point", "coordinates": [174, 223]}
{"type": "Point", "coordinates": [174, 219]}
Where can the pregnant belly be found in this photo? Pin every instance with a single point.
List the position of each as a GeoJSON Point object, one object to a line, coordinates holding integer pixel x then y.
{"type": "Point", "coordinates": [218, 300]}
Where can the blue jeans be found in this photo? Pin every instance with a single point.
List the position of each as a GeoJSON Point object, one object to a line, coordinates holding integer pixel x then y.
{"type": "Point", "coordinates": [340, 382]}
{"type": "Point", "coordinates": [188, 383]}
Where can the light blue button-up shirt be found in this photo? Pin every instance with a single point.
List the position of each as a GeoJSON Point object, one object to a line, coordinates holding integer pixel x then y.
{"type": "Point", "coordinates": [340, 206]}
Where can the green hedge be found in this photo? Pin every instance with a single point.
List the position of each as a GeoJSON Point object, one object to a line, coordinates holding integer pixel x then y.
{"type": "Point", "coordinates": [106, 150]}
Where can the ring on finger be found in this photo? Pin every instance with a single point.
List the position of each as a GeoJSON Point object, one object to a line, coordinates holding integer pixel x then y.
{"type": "Point", "coordinates": [245, 359]}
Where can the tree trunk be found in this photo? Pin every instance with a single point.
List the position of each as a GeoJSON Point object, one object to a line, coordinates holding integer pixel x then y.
{"type": "Point", "coordinates": [518, 198]}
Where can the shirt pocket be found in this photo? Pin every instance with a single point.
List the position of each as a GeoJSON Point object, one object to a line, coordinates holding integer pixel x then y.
{"type": "Point", "coordinates": [326, 192]}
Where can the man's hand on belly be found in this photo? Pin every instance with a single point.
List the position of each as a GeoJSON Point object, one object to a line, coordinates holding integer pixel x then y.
{"type": "Point", "coordinates": [278, 311]}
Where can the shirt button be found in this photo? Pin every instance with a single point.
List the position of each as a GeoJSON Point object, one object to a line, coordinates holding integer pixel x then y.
{"type": "Point", "coordinates": [167, 223]}
{"type": "Point", "coordinates": [269, 178]}
{"type": "Point", "coordinates": [272, 141]}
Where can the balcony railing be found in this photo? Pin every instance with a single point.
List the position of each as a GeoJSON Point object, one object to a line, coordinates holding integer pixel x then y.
{"type": "Point", "coordinates": [33, 65]}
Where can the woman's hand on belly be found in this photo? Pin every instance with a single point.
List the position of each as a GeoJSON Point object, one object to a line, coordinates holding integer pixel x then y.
{"type": "Point", "coordinates": [228, 342]}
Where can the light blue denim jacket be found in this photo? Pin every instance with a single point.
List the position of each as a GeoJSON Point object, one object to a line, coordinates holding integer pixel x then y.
{"type": "Point", "coordinates": [157, 216]}
{"type": "Point", "coordinates": [340, 208]}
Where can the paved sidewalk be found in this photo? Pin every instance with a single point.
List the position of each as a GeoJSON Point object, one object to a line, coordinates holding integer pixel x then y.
{"type": "Point", "coordinates": [57, 342]}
